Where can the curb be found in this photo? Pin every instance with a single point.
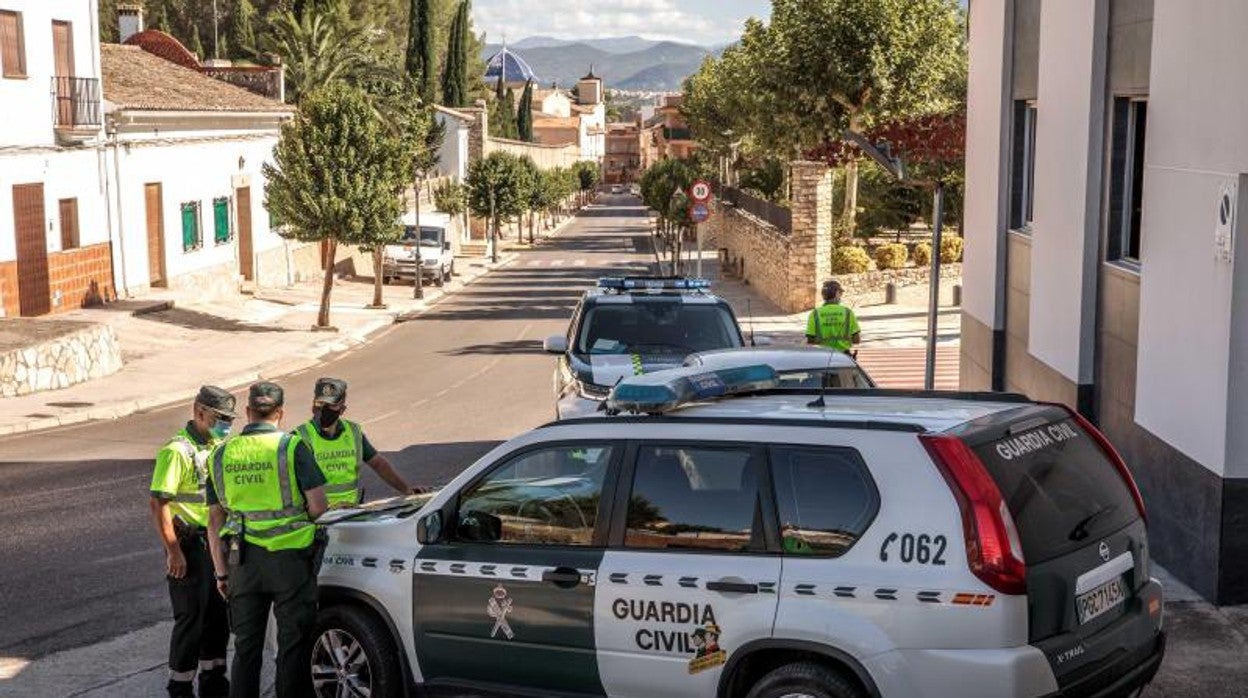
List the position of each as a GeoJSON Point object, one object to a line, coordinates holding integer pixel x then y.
{"type": "Point", "coordinates": [317, 354]}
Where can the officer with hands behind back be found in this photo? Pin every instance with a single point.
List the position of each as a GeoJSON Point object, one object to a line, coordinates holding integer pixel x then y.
{"type": "Point", "coordinates": [264, 492]}
{"type": "Point", "coordinates": [341, 447]}
{"type": "Point", "coordinates": [201, 627]}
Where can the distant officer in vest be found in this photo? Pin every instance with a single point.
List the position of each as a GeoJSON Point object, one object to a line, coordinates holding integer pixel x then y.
{"type": "Point", "coordinates": [201, 627]}
{"type": "Point", "coordinates": [833, 325]}
{"type": "Point", "coordinates": [341, 446]}
{"type": "Point", "coordinates": [264, 493]}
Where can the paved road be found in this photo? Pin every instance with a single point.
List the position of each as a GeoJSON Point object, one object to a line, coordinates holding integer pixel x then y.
{"type": "Point", "coordinates": [79, 562]}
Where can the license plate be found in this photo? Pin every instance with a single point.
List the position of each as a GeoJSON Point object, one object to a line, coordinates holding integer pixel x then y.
{"type": "Point", "coordinates": [1100, 600]}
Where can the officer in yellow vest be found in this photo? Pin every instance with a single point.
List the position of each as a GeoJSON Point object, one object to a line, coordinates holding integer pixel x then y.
{"type": "Point", "coordinates": [264, 492]}
{"type": "Point", "coordinates": [201, 627]}
{"type": "Point", "coordinates": [341, 446]}
{"type": "Point", "coordinates": [833, 325]}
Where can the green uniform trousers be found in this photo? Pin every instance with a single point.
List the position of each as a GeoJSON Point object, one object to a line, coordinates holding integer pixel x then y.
{"type": "Point", "coordinates": [284, 581]}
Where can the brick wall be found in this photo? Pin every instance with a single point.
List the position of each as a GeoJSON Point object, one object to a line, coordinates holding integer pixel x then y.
{"type": "Point", "coordinates": [787, 269]}
{"type": "Point", "coordinates": [83, 277]}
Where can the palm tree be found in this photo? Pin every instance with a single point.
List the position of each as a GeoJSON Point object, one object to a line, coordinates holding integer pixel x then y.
{"type": "Point", "coordinates": [318, 49]}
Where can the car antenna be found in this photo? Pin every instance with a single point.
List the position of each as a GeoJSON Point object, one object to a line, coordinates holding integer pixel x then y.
{"type": "Point", "coordinates": [749, 318]}
{"type": "Point", "coordinates": [823, 384]}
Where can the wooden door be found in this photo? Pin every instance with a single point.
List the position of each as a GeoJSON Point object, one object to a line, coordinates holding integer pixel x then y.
{"type": "Point", "coordinates": [33, 292]}
{"type": "Point", "coordinates": [63, 52]}
{"type": "Point", "coordinates": [155, 234]}
{"type": "Point", "coordinates": [242, 204]}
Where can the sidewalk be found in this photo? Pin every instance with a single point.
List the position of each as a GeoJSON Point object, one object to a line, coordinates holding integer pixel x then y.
{"type": "Point", "coordinates": [169, 350]}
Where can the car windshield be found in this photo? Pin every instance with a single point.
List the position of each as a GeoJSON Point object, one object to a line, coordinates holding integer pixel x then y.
{"type": "Point", "coordinates": [824, 378]}
{"type": "Point", "coordinates": [657, 326]}
{"type": "Point", "coordinates": [428, 235]}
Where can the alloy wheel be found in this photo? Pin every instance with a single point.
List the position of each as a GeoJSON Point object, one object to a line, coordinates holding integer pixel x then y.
{"type": "Point", "coordinates": [340, 666]}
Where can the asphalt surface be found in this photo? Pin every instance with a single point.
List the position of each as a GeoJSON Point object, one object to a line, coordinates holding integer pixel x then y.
{"type": "Point", "coordinates": [79, 560]}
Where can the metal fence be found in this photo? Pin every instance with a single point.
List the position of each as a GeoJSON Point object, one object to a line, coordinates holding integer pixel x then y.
{"type": "Point", "coordinates": [776, 215]}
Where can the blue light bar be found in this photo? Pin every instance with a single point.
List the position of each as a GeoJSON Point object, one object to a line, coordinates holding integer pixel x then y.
{"type": "Point", "coordinates": [636, 283]}
{"type": "Point", "coordinates": [664, 391]}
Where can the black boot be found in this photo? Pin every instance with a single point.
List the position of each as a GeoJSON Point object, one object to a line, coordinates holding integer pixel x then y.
{"type": "Point", "coordinates": [180, 689]}
{"type": "Point", "coordinates": [213, 684]}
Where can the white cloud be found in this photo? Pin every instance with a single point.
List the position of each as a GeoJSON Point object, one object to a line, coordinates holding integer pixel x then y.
{"type": "Point", "coordinates": [587, 19]}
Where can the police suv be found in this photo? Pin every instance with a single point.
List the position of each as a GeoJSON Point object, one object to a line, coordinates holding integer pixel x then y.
{"type": "Point", "coordinates": [635, 325]}
{"type": "Point", "coordinates": [710, 536]}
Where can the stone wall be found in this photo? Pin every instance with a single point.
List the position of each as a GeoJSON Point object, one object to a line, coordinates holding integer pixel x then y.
{"type": "Point", "coordinates": [875, 281]}
{"type": "Point", "coordinates": [787, 269]}
{"type": "Point", "coordinates": [40, 355]}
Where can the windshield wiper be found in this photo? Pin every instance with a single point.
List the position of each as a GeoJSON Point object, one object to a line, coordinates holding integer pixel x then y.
{"type": "Point", "coordinates": [1080, 531]}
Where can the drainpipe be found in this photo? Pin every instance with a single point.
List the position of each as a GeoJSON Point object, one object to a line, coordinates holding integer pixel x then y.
{"type": "Point", "coordinates": [121, 226]}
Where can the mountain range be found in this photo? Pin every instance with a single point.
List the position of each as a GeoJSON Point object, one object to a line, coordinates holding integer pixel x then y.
{"type": "Point", "coordinates": [624, 63]}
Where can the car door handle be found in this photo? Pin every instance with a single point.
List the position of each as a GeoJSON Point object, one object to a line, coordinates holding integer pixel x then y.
{"type": "Point", "coordinates": [562, 577]}
{"type": "Point", "coordinates": [732, 587]}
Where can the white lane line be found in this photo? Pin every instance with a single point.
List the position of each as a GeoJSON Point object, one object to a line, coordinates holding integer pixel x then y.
{"type": "Point", "coordinates": [536, 263]}
{"type": "Point", "coordinates": [557, 263]}
{"type": "Point", "coordinates": [380, 417]}
{"type": "Point", "coordinates": [579, 263]}
{"type": "Point", "coordinates": [11, 667]}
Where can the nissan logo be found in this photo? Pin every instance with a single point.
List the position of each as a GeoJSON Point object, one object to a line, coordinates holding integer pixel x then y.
{"type": "Point", "coordinates": [1104, 551]}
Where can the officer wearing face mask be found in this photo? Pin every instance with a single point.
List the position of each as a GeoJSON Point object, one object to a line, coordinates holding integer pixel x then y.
{"type": "Point", "coordinates": [340, 447]}
{"type": "Point", "coordinates": [180, 513]}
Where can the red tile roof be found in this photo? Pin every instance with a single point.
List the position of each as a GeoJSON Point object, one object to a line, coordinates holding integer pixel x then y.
{"type": "Point", "coordinates": [136, 79]}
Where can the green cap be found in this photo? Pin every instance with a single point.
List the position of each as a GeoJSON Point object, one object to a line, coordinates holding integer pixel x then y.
{"type": "Point", "coordinates": [216, 399]}
{"type": "Point", "coordinates": [265, 395]}
{"type": "Point", "coordinates": [330, 391]}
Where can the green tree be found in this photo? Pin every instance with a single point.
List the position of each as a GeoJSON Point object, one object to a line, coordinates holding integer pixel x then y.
{"type": "Point", "coordinates": [196, 46]}
{"type": "Point", "coordinates": [588, 174]}
{"type": "Point", "coordinates": [243, 28]}
{"type": "Point", "coordinates": [420, 61]}
{"type": "Point", "coordinates": [336, 176]}
{"type": "Point", "coordinates": [524, 120]}
{"type": "Point", "coordinates": [496, 191]}
{"type": "Point", "coordinates": [450, 198]}
{"type": "Point", "coordinates": [108, 21]}
{"type": "Point", "coordinates": [534, 202]}
{"type": "Point", "coordinates": [455, 84]}
{"type": "Point", "coordinates": [317, 50]}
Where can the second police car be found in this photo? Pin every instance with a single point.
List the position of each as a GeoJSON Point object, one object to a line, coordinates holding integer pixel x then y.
{"type": "Point", "coordinates": [635, 325]}
{"type": "Point", "coordinates": [763, 545]}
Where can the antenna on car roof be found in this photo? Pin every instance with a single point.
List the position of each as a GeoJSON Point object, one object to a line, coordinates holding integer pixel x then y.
{"type": "Point", "coordinates": [749, 319]}
{"type": "Point", "coordinates": [823, 384]}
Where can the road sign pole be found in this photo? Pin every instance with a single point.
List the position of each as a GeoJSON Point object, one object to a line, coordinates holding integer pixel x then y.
{"type": "Point", "coordinates": [699, 235]}
{"type": "Point", "coordinates": [933, 303]}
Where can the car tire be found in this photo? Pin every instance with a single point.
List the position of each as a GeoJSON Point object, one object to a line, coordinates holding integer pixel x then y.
{"type": "Point", "coordinates": [440, 279]}
{"type": "Point", "coordinates": [354, 639]}
{"type": "Point", "coordinates": [804, 679]}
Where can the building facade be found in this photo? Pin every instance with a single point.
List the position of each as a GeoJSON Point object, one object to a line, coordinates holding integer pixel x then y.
{"type": "Point", "coordinates": [1105, 158]}
{"type": "Point", "coordinates": [622, 163]}
{"type": "Point", "coordinates": [54, 216]}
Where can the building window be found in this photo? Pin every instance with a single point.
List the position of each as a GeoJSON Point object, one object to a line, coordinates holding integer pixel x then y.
{"type": "Point", "coordinates": [1023, 168]}
{"type": "Point", "coordinates": [192, 235]}
{"type": "Point", "coordinates": [12, 45]}
{"type": "Point", "coordinates": [1126, 184]}
{"type": "Point", "coordinates": [69, 224]}
{"type": "Point", "coordinates": [221, 232]}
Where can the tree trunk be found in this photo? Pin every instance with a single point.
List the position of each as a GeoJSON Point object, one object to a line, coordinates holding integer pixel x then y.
{"type": "Point", "coordinates": [327, 287]}
{"type": "Point", "coordinates": [532, 225]}
{"type": "Point", "coordinates": [378, 272]}
{"type": "Point", "coordinates": [851, 194]}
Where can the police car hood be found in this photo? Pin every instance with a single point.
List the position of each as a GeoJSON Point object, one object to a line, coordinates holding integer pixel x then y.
{"type": "Point", "coordinates": [608, 369]}
{"type": "Point", "coordinates": [397, 508]}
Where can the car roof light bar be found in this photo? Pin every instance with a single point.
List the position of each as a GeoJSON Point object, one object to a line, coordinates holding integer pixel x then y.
{"type": "Point", "coordinates": [641, 283]}
{"type": "Point", "coordinates": [665, 391]}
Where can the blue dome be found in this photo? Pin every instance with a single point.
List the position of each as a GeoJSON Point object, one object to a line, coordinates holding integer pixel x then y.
{"type": "Point", "coordinates": [517, 69]}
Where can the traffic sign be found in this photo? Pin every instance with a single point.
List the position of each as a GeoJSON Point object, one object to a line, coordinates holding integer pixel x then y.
{"type": "Point", "coordinates": [700, 191]}
{"type": "Point", "coordinates": [699, 212]}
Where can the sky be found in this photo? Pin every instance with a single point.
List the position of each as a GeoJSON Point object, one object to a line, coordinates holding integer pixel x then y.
{"type": "Point", "coordinates": [705, 22]}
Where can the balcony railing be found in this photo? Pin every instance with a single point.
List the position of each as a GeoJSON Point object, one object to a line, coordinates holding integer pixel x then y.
{"type": "Point", "coordinates": [76, 102]}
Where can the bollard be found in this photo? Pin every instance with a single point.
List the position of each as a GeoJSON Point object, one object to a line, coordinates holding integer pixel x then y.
{"type": "Point", "coordinates": [957, 295]}
{"type": "Point", "coordinates": [890, 293]}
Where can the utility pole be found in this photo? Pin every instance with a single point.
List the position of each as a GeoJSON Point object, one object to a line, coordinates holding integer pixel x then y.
{"type": "Point", "coordinates": [419, 290]}
{"type": "Point", "coordinates": [216, 34]}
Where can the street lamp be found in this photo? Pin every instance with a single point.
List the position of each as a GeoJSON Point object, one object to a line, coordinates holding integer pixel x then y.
{"type": "Point", "coordinates": [419, 284]}
{"type": "Point", "coordinates": [883, 155]}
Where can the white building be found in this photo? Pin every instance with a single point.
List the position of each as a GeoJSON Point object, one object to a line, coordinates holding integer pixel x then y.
{"type": "Point", "coordinates": [186, 153]}
{"type": "Point", "coordinates": [1106, 154]}
{"type": "Point", "coordinates": [54, 218]}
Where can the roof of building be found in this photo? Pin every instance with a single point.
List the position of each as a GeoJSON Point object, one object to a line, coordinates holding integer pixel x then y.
{"type": "Point", "coordinates": [556, 122]}
{"type": "Point", "coordinates": [136, 79]}
{"type": "Point", "coordinates": [517, 70]}
{"type": "Point", "coordinates": [454, 113]}
{"type": "Point", "coordinates": [542, 93]}
{"type": "Point", "coordinates": [591, 75]}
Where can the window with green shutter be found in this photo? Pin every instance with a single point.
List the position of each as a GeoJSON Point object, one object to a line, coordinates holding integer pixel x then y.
{"type": "Point", "coordinates": [191, 237]}
{"type": "Point", "coordinates": [221, 233]}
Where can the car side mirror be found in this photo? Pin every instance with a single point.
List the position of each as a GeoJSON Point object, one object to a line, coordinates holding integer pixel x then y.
{"type": "Point", "coordinates": [557, 344]}
{"type": "Point", "coordinates": [479, 527]}
{"type": "Point", "coordinates": [429, 528]}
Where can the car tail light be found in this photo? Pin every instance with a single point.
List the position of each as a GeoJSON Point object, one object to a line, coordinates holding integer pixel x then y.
{"type": "Point", "coordinates": [993, 549]}
{"type": "Point", "coordinates": [1112, 454]}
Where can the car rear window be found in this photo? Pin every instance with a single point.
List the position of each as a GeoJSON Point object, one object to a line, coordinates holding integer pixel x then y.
{"type": "Point", "coordinates": [1061, 488]}
{"type": "Point", "coordinates": [656, 326]}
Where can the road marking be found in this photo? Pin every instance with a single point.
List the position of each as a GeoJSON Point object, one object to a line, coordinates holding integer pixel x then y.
{"type": "Point", "coordinates": [557, 263]}
{"type": "Point", "coordinates": [536, 263]}
{"type": "Point", "coordinates": [12, 666]}
{"type": "Point", "coordinates": [380, 417]}
{"type": "Point", "coordinates": [579, 263]}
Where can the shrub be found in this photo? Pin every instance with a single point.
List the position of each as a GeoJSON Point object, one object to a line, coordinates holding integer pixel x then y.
{"type": "Point", "coordinates": [850, 260]}
{"type": "Point", "coordinates": [922, 254]}
{"type": "Point", "coordinates": [950, 249]}
{"type": "Point", "coordinates": [891, 256]}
